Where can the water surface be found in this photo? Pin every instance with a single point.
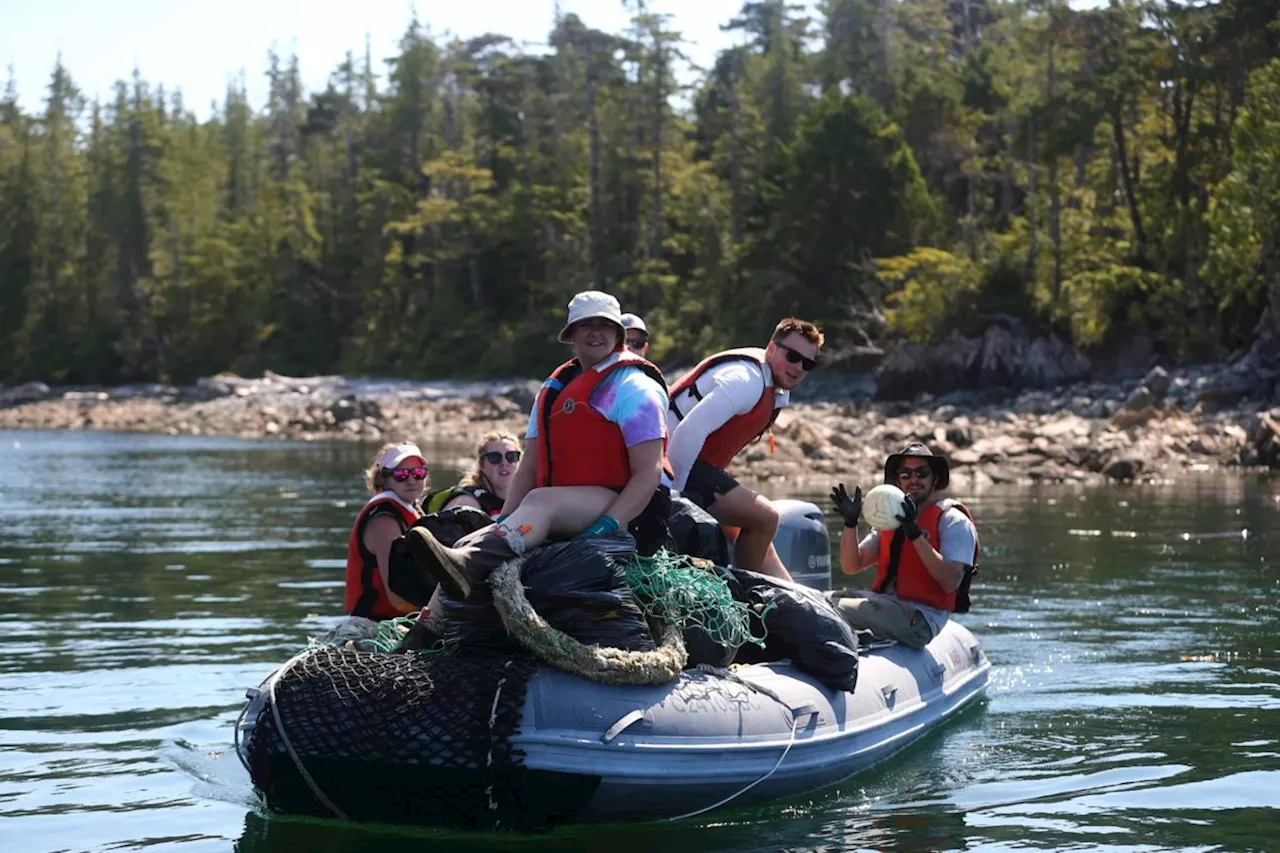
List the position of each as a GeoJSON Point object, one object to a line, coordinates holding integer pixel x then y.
{"type": "Point", "coordinates": [145, 582]}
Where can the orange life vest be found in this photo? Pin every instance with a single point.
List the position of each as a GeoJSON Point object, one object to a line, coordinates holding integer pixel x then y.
{"type": "Point", "coordinates": [365, 594]}
{"type": "Point", "coordinates": [578, 446]}
{"type": "Point", "coordinates": [740, 430]}
{"type": "Point", "coordinates": [912, 580]}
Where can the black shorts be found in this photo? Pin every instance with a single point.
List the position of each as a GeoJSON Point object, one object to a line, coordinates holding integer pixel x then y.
{"type": "Point", "coordinates": [706, 482]}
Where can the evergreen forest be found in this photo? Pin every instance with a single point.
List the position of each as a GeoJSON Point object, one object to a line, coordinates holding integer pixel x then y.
{"type": "Point", "coordinates": [895, 170]}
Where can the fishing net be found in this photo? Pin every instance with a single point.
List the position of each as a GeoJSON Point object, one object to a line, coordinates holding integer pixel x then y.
{"type": "Point", "coordinates": [422, 739]}
{"type": "Point", "coordinates": [368, 635]}
{"type": "Point", "coordinates": [690, 594]}
{"type": "Point", "coordinates": [347, 729]}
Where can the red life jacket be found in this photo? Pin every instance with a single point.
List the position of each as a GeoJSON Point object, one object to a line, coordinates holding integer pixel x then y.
{"type": "Point", "coordinates": [912, 580]}
{"type": "Point", "coordinates": [365, 594]}
{"type": "Point", "coordinates": [740, 430]}
{"type": "Point", "coordinates": [577, 446]}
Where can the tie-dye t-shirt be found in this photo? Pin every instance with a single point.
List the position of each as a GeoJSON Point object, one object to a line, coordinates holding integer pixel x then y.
{"type": "Point", "coordinates": [630, 398]}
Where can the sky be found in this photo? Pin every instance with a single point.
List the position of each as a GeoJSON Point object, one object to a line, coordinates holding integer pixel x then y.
{"type": "Point", "coordinates": [200, 47]}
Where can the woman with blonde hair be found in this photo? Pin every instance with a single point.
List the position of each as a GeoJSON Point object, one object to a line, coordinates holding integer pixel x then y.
{"type": "Point", "coordinates": [397, 478]}
{"type": "Point", "coordinates": [485, 486]}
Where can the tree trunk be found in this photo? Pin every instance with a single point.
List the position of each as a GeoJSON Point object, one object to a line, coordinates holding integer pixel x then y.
{"type": "Point", "coordinates": [1108, 203]}
{"type": "Point", "coordinates": [1055, 197]}
{"type": "Point", "coordinates": [1217, 119]}
{"type": "Point", "coordinates": [1032, 225]}
{"type": "Point", "coordinates": [659, 103]}
{"type": "Point", "coordinates": [886, 34]}
{"type": "Point", "coordinates": [593, 129]}
{"type": "Point", "coordinates": [735, 161]}
{"type": "Point", "coordinates": [632, 183]}
{"type": "Point", "coordinates": [1134, 118]}
{"type": "Point", "coordinates": [1130, 192]}
{"type": "Point", "coordinates": [1006, 182]}
{"type": "Point", "coordinates": [450, 122]}
{"type": "Point", "coordinates": [1183, 108]}
{"type": "Point", "coordinates": [970, 219]}
{"type": "Point", "coordinates": [473, 270]}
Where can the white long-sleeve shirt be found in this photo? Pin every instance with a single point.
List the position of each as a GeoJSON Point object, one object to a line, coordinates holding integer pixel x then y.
{"type": "Point", "coordinates": [727, 390]}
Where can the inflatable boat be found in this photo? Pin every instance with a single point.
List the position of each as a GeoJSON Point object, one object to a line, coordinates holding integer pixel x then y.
{"type": "Point", "coordinates": [488, 743]}
{"type": "Point", "coordinates": [706, 741]}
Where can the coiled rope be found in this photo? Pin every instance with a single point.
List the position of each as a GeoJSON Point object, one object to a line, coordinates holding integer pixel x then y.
{"type": "Point", "coordinates": [594, 663]}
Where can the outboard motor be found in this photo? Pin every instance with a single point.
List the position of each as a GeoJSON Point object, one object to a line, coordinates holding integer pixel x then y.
{"type": "Point", "coordinates": [803, 544]}
{"type": "Point", "coordinates": [802, 541]}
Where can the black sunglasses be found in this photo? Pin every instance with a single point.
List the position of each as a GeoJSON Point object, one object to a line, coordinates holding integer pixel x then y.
{"type": "Point", "coordinates": [637, 343]}
{"type": "Point", "coordinates": [796, 358]}
{"type": "Point", "coordinates": [494, 457]}
{"type": "Point", "coordinates": [919, 473]}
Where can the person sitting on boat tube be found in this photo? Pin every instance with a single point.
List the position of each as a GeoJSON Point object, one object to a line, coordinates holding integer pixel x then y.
{"type": "Point", "coordinates": [637, 334]}
{"type": "Point", "coordinates": [593, 457]}
{"type": "Point", "coordinates": [484, 487]}
{"type": "Point", "coordinates": [727, 401]}
{"type": "Point", "coordinates": [923, 568]}
{"type": "Point", "coordinates": [397, 479]}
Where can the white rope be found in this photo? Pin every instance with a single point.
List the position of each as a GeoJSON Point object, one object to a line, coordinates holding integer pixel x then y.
{"type": "Point", "coordinates": [729, 674]}
{"type": "Point", "coordinates": [297, 761]}
{"type": "Point", "coordinates": [235, 736]}
{"type": "Point", "coordinates": [493, 721]}
{"type": "Point", "coordinates": [795, 724]}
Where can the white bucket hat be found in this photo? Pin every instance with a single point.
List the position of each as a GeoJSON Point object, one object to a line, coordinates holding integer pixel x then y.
{"type": "Point", "coordinates": [397, 454]}
{"type": "Point", "coordinates": [634, 321]}
{"type": "Point", "coordinates": [588, 304]}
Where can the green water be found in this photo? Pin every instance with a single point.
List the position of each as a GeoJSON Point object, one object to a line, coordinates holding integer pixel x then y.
{"type": "Point", "coordinates": [145, 582]}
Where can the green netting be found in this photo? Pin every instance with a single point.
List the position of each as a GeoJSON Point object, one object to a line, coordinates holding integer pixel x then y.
{"type": "Point", "coordinates": [675, 589]}
{"type": "Point", "coordinates": [367, 636]}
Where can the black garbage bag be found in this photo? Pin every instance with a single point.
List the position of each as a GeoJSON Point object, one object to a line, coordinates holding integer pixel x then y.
{"type": "Point", "coordinates": [701, 646]}
{"type": "Point", "coordinates": [704, 649]}
{"type": "Point", "coordinates": [802, 626]}
{"type": "Point", "coordinates": [449, 525]}
{"type": "Point", "coordinates": [695, 532]}
{"type": "Point", "coordinates": [579, 587]}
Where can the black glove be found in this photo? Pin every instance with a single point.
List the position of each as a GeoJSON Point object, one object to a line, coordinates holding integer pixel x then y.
{"type": "Point", "coordinates": [849, 507]}
{"type": "Point", "coordinates": [908, 518]}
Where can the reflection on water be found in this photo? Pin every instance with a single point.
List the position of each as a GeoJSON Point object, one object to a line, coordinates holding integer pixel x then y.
{"type": "Point", "coordinates": [145, 582]}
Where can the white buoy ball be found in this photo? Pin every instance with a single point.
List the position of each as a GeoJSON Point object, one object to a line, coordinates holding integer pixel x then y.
{"type": "Point", "coordinates": [882, 505]}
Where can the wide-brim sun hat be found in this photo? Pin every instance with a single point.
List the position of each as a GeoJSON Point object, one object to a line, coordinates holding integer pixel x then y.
{"type": "Point", "coordinates": [938, 464]}
{"type": "Point", "coordinates": [588, 304]}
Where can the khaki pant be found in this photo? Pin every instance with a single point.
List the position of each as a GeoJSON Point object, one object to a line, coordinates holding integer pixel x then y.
{"type": "Point", "coordinates": [885, 616]}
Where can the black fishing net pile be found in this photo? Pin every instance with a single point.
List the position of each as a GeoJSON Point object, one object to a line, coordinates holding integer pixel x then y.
{"type": "Point", "coordinates": [419, 739]}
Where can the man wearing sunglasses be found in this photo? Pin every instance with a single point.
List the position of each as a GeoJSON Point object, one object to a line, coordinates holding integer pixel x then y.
{"type": "Point", "coordinates": [637, 334]}
{"type": "Point", "coordinates": [923, 568]}
{"type": "Point", "coordinates": [728, 401]}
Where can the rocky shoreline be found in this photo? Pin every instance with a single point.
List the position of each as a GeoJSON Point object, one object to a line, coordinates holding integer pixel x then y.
{"type": "Point", "coordinates": [1196, 418]}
